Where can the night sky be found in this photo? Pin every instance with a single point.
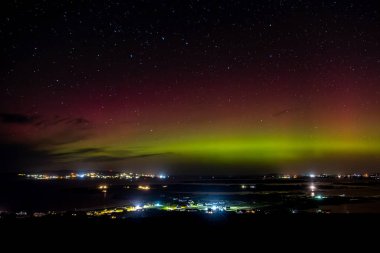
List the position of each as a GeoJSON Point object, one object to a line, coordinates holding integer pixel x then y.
{"type": "Point", "coordinates": [190, 86]}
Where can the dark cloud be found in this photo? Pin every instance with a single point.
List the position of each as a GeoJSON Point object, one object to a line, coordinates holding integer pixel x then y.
{"type": "Point", "coordinates": [79, 121]}
{"type": "Point", "coordinates": [65, 136]}
{"type": "Point", "coordinates": [18, 153]}
{"type": "Point", "coordinates": [57, 120]}
{"type": "Point", "coordinates": [283, 112]}
{"type": "Point", "coordinates": [55, 130]}
{"type": "Point", "coordinates": [17, 118]}
{"type": "Point", "coordinates": [21, 157]}
{"type": "Point", "coordinates": [151, 155]}
{"type": "Point", "coordinates": [18, 157]}
{"type": "Point", "coordinates": [82, 151]}
{"type": "Point", "coordinates": [38, 121]}
{"type": "Point", "coordinates": [102, 158]}
{"type": "Point", "coordinates": [110, 158]}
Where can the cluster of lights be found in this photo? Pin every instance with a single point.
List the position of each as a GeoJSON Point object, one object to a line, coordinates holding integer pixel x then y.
{"type": "Point", "coordinates": [323, 175]}
{"type": "Point", "coordinates": [143, 187]}
{"type": "Point", "coordinates": [183, 206]}
{"type": "Point", "coordinates": [103, 188]}
{"type": "Point", "coordinates": [125, 175]}
{"type": "Point", "coordinates": [39, 176]}
{"type": "Point", "coordinates": [358, 175]}
{"type": "Point", "coordinates": [339, 176]}
{"type": "Point", "coordinates": [313, 188]}
{"type": "Point", "coordinates": [210, 208]}
{"type": "Point", "coordinates": [243, 186]}
{"type": "Point", "coordinates": [92, 175]}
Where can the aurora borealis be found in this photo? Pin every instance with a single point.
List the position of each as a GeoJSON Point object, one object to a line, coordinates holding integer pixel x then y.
{"type": "Point", "coordinates": [190, 86]}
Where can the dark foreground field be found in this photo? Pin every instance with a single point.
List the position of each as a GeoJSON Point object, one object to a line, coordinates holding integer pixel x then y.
{"type": "Point", "coordinates": [193, 229]}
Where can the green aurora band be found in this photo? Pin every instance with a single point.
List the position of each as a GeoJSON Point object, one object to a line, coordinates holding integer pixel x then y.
{"type": "Point", "coordinates": [268, 150]}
